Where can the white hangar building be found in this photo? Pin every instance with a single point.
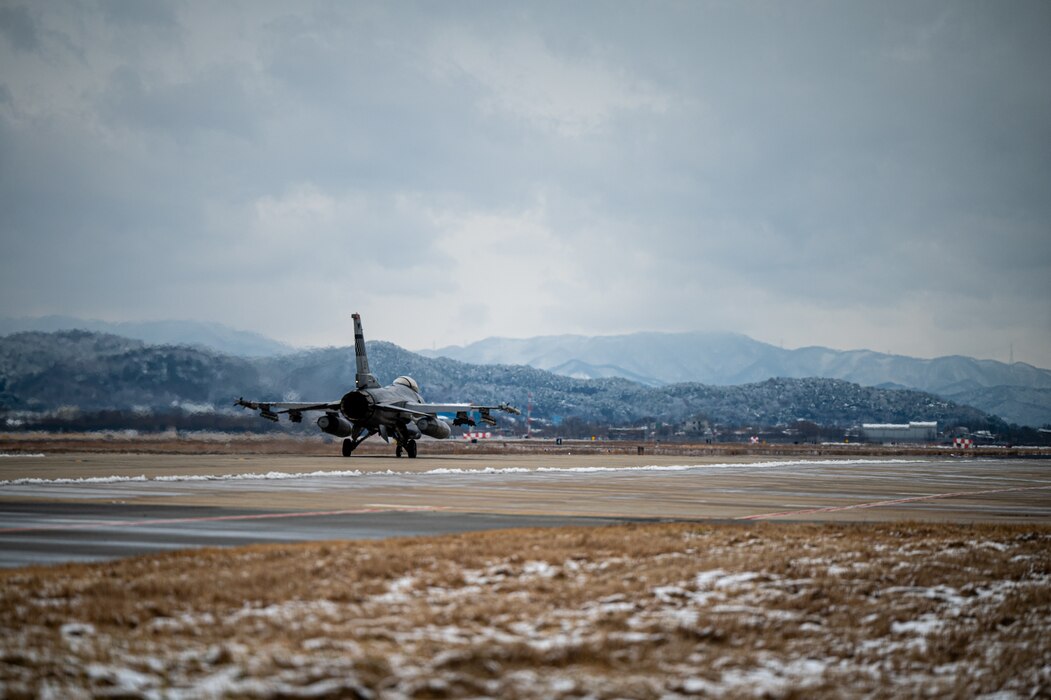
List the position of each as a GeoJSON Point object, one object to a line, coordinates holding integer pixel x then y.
{"type": "Point", "coordinates": [914, 431]}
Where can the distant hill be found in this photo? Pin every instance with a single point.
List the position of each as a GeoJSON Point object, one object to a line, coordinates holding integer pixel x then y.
{"type": "Point", "coordinates": [1020, 405]}
{"type": "Point", "coordinates": [214, 336]}
{"type": "Point", "coordinates": [1019, 393]}
{"type": "Point", "coordinates": [92, 371]}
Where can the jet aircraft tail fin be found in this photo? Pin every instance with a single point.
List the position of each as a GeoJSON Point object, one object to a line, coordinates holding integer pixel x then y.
{"type": "Point", "coordinates": [363, 378]}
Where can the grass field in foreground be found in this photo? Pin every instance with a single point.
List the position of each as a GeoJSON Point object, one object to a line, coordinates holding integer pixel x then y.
{"type": "Point", "coordinates": [770, 610]}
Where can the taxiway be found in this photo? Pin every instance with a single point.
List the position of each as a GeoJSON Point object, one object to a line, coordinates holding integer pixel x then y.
{"type": "Point", "coordinates": [74, 507]}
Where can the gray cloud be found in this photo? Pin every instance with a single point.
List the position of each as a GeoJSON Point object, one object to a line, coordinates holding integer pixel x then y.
{"type": "Point", "coordinates": [851, 175]}
{"type": "Point", "coordinates": [17, 26]}
{"type": "Point", "coordinates": [213, 101]}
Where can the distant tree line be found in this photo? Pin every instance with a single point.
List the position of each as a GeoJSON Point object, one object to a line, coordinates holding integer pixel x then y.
{"type": "Point", "coordinates": [572, 427]}
{"type": "Point", "coordinates": [80, 422]}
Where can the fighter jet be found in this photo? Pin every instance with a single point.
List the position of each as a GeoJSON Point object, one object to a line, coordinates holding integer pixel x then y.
{"type": "Point", "coordinates": [395, 411]}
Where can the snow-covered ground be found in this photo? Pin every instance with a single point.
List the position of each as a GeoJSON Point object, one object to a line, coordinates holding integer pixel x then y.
{"type": "Point", "coordinates": [641, 611]}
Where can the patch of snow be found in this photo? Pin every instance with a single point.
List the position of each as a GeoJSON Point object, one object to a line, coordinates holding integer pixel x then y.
{"type": "Point", "coordinates": [168, 624]}
{"type": "Point", "coordinates": [671, 594]}
{"type": "Point", "coordinates": [275, 475]}
{"type": "Point", "coordinates": [635, 637]}
{"type": "Point", "coordinates": [735, 580]}
{"type": "Point", "coordinates": [682, 618]}
{"type": "Point", "coordinates": [771, 613]}
{"type": "Point", "coordinates": [120, 679]}
{"type": "Point", "coordinates": [562, 685]}
{"type": "Point", "coordinates": [707, 579]}
{"type": "Point", "coordinates": [51, 689]}
{"type": "Point", "coordinates": [397, 592]}
{"type": "Point", "coordinates": [998, 546]}
{"type": "Point", "coordinates": [773, 678]}
{"type": "Point", "coordinates": [292, 613]}
{"type": "Point", "coordinates": [925, 625]}
{"type": "Point", "coordinates": [601, 609]}
{"type": "Point", "coordinates": [539, 568]}
{"type": "Point", "coordinates": [33, 481]}
{"type": "Point", "coordinates": [322, 643]}
{"type": "Point", "coordinates": [700, 686]}
{"type": "Point", "coordinates": [485, 470]}
{"type": "Point", "coordinates": [269, 476]}
{"type": "Point", "coordinates": [216, 685]}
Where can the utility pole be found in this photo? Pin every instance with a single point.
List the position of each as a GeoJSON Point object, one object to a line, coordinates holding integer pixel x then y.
{"type": "Point", "coordinates": [529, 417]}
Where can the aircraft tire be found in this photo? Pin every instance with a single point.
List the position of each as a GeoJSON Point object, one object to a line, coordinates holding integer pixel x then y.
{"type": "Point", "coordinates": [397, 451]}
{"type": "Point", "coordinates": [410, 447]}
{"type": "Point", "coordinates": [348, 447]}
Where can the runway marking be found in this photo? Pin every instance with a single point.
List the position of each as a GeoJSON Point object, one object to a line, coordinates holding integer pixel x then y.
{"type": "Point", "coordinates": [100, 524]}
{"type": "Point", "coordinates": [895, 501]}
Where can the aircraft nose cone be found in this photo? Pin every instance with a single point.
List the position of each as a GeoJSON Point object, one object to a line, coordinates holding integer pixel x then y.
{"type": "Point", "coordinates": [356, 406]}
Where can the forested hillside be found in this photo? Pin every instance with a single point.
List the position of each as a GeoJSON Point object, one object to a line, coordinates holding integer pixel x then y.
{"type": "Point", "coordinates": [41, 372]}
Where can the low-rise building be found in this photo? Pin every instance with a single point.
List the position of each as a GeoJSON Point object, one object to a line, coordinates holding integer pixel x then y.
{"type": "Point", "coordinates": [913, 431]}
{"type": "Point", "coordinates": [639, 433]}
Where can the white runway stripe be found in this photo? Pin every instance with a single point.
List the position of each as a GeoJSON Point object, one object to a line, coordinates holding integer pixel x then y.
{"type": "Point", "coordinates": [275, 475]}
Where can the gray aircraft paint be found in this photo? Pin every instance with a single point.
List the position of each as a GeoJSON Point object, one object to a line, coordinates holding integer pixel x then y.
{"type": "Point", "coordinates": [396, 411]}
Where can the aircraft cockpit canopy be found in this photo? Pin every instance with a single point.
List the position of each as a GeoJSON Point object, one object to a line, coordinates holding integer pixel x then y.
{"type": "Point", "coordinates": [409, 382]}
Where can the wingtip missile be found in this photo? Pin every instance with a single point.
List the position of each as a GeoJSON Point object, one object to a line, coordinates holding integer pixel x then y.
{"type": "Point", "coordinates": [263, 408]}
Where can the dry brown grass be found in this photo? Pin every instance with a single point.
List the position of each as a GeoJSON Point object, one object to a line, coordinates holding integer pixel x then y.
{"type": "Point", "coordinates": [772, 610]}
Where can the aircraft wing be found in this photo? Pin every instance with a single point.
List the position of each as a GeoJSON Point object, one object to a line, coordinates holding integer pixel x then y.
{"type": "Point", "coordinates": [267, 408]}
{"type": "Point", "coordinates": [430, 408]}
{"type": "Point", "coordinates": [411, 408]}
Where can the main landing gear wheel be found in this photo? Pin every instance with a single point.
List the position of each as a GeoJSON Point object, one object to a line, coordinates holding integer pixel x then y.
{"type": "Point", "coordinates": [397, 451]}
{"type": "Point", "coordinates": [348, 447]}
{"type": "Point", "coordinates": [410, 447]}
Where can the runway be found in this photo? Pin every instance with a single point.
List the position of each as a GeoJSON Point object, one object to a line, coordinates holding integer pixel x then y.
{"type": "Point", "coordinates": [95, 506]}
{"type": "Point", "coordinates": [52, 533]}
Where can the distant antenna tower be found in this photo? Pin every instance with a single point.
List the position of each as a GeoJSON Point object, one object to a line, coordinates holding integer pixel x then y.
{"type": "Point", "coordinates": [529, 416]}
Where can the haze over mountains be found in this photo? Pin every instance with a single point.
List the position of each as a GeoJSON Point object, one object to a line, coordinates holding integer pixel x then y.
{"type": "Point", "coordinates": [215, 336]}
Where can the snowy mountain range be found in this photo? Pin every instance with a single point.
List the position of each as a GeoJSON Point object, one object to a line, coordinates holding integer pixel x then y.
{"type": "Point", "coordinates": [1020, 393]}
{"type": "Point", "coordinates": [43, 373]}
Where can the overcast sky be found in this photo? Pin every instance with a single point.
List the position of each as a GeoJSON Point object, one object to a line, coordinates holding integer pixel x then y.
{"type": "Point", "coordinates": [857, 175]}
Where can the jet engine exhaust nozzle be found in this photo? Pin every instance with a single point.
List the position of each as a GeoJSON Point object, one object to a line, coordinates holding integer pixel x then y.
{"type": "Point", "coordinates": [356, 406]}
